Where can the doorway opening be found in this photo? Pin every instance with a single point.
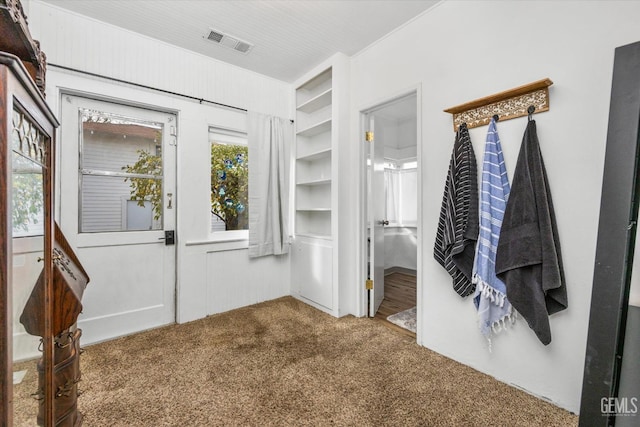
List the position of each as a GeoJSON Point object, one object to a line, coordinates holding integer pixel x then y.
{"type": "Point", "coordinates": [391, 214]}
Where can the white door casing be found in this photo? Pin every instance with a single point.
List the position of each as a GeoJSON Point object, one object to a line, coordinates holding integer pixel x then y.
{"type": "Point", "coordinates": [132, 273]}
{"type": "Point", "coordinates": [376, 202]}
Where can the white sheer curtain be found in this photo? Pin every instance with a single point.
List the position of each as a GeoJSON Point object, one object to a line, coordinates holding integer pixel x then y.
{"type": "Point", "coordinates": [409, 197]}
{"type": "Point", "coordinates": [392, 189]}
{"type": "Point", "coordinates": [269, 141]}
{"type": "Point", "coordinates": [401, 191]}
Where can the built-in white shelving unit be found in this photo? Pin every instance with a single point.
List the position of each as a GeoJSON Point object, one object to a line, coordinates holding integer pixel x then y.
{"type": "Point", "coordinates": [313, 155]}
{"type": "Point", "coordinates": [319, 98]}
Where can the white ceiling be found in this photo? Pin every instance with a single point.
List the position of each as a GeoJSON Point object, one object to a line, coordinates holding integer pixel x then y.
{"type": "Point", "coordinates": [397, 121]}
{"type": "Point", "coordinates": [289, 37]}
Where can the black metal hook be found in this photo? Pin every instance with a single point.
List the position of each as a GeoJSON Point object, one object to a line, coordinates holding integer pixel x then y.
{"type": "Point", "coordinates": [530, 110]}
{"type": "Point", "coordinates": [496, 117]}
{"type": "Point", "coordinates": [462, 126]}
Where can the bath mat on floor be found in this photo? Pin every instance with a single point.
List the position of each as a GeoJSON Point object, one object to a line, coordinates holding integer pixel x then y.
{"type": "Point", "coordinates": [405, 319]}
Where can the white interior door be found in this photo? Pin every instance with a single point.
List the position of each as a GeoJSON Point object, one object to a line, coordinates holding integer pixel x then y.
{"type": "Point", "coordinates": [376, 202]}
{"type": "Point", "coordinates": [117, 199]}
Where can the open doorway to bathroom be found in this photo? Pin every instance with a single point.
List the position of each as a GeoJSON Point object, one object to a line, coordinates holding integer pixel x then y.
{"type": "Point", "coordinates": [392, 212]}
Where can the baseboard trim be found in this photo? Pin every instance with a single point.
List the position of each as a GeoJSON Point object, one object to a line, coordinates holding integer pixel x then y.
{"type": "Point", "coordinates": [391, 270]}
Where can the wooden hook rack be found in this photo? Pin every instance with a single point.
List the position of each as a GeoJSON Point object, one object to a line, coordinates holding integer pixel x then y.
{"type": "Point", "coordinates": [507, 105]}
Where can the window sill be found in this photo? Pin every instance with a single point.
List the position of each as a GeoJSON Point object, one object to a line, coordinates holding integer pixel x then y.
{"type": "Point", "coordinates": [217, 241]}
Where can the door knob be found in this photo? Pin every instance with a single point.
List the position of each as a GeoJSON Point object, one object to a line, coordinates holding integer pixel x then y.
{"type": "Point", "coordinates": [169, 237]}
{"type": "Point", "coordinates": [384, 222]}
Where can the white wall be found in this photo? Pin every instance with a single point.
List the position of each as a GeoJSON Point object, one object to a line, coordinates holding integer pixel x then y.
{"type": "Point", "coordinates": [463, 50]}
{"type": "Point", "coordinates": [212, 276]}
{"type": "Point", "coordinates": [400, 247]}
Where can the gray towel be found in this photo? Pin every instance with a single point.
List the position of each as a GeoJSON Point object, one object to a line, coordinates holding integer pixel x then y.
{"type": "Point", "coordinates": [528, 258]}
{"type": "Point", "coordinates": [458, 224]}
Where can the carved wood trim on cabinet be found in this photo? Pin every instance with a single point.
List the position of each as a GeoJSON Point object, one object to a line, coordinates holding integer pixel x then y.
{"type": "Point", "coordinates": [16, 39]}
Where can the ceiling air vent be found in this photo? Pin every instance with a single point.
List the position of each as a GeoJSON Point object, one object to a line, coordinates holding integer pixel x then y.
{"type": "Point", "coordinates": [229, 41]}
{"type": "Point", "coordinates": [215, 36]}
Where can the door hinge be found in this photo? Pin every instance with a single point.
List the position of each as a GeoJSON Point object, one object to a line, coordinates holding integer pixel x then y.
{"type": "Point", "coordinates": [368, 136]}
{"type": "Point", "coordinates": [369, 284]}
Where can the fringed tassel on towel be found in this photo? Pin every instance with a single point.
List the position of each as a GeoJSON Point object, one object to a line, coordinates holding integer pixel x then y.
{"type": "Point", "coordinates": [497, 298]}
{"type": "Point", "coordinates": [490, 293]}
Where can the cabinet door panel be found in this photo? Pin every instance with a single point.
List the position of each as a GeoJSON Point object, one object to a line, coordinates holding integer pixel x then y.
{"type": "Point", "coordinates": [312, 271]}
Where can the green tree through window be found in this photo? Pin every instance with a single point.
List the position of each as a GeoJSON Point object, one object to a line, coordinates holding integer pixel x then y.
{"type": "Point", "coordinates": [147, 189]}
{"type": "Point", "coordinates": [27, 195]}
{"type": "Point", "coordinates": [229, 185]}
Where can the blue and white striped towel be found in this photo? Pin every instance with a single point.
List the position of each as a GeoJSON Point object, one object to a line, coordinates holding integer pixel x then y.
{"type": "Point", "coordinates": [490, 296]}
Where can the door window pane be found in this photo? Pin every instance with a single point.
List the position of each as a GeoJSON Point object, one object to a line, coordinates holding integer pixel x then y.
{"type": "Point", "coordinates": [120, 173]}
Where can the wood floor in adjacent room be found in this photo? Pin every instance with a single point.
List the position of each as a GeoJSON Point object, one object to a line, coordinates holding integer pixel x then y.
{"type": "Point", "coordinates": [399, 295]}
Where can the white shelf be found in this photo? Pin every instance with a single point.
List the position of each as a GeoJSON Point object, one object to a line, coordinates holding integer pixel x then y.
{"type": "Point", "coordinates": [323, 181]}
{"type": "Point", "coordinates": [313, 222]}
{"type": "Point", "coordinates": [309, 146]}
{"type": "Point", "coordinates": [313, 209]}
{"type": "Point", "coordinates": [316, 128]}
{"type": "Point", "coordinates": [316, 155]}
{"type": "Point", "coordinates": [320, 79]}
{"type": "Point", "coordinates": [314, 87]}
{"type": "Point", "coordinates": [319, 101]}
{"type": "Point", "coordinates": [314, 236]}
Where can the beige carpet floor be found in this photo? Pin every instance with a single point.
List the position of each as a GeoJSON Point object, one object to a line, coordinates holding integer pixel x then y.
{"type": "Point", "coordinates": [283, 363]}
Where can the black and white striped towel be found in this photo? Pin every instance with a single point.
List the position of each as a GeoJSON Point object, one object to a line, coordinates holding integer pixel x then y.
{"type": "Point", "coordinates": [458, 223]}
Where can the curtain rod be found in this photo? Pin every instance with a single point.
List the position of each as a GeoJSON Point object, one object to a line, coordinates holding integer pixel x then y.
{"type": "Point", "coordinates": [194, 98]}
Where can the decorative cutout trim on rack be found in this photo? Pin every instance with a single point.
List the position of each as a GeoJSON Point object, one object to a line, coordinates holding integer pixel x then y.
{"type": "Point", "coordinates": [507, 105]}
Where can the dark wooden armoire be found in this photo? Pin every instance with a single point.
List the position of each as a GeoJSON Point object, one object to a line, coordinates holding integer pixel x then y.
{"type": "Point", "coordinates": [27, 150]}
{"type": "Point", "coordinates": [69, 282]}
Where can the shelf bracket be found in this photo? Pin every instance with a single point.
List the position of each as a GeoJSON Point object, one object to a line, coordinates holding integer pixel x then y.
{"type": "Point", "coordinates": [509, 104]}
